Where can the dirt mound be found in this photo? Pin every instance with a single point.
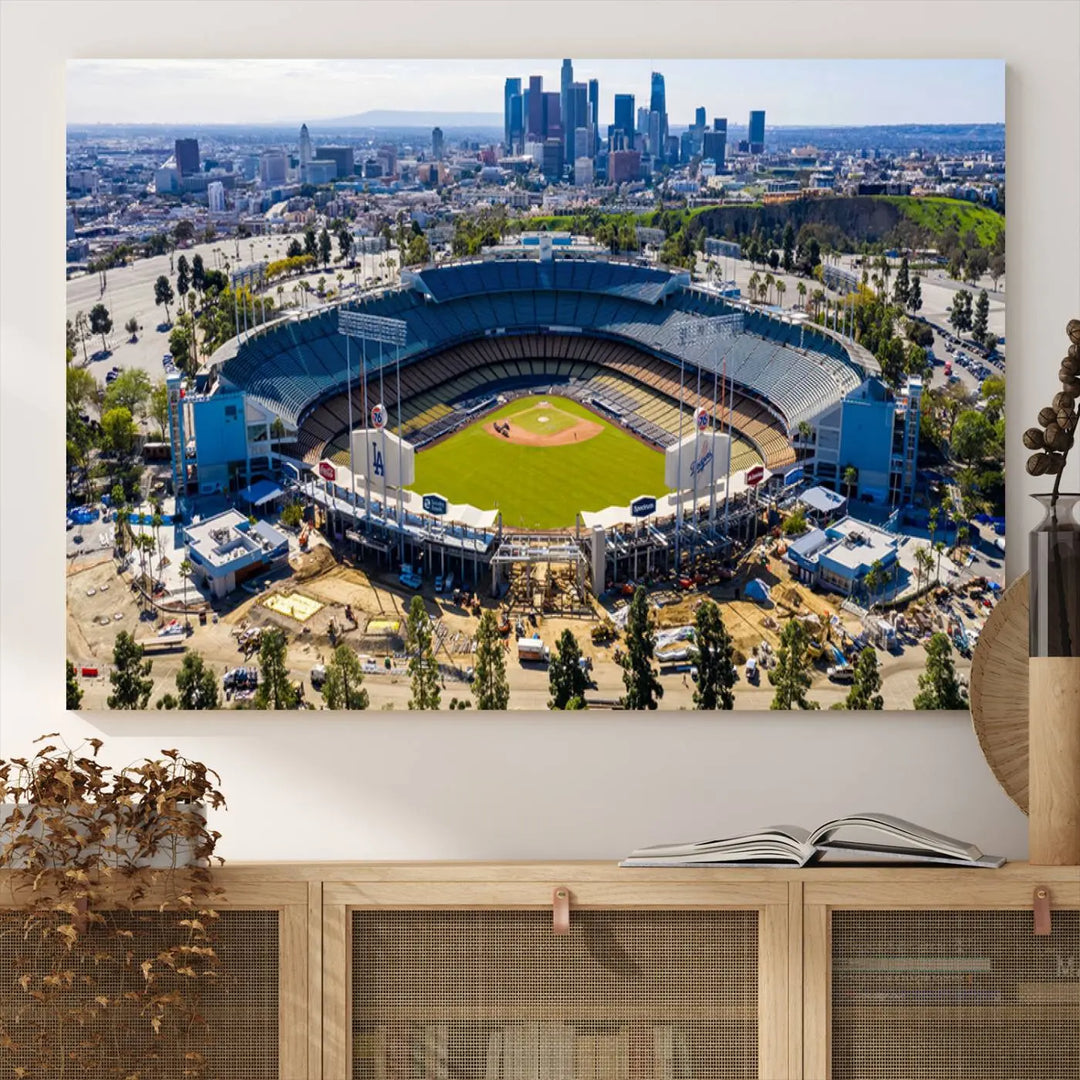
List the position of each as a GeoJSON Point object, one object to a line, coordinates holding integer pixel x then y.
{"type": "Point", "coordinates": [312, 563]}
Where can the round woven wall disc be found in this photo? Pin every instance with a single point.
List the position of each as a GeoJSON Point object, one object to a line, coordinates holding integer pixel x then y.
{"type": "Point", "coordinates": [999, 691]}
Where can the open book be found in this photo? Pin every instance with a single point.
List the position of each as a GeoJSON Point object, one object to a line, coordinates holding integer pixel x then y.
{"type": "Point", "coordinates": [858, 838]}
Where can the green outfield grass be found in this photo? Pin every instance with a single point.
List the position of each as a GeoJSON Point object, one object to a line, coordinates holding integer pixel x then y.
{"type": "Point", "coordinates": [540, 486]}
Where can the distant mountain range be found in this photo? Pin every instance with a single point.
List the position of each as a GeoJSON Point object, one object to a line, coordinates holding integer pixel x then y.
{"type": "Point", "coordinates": [406, 118]}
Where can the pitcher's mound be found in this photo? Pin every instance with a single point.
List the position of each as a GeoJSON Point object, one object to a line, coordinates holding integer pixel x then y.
{"type": "Point", "coordinates": [543, 425]}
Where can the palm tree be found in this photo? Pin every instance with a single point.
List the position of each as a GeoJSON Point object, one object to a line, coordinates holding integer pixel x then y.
{"type": "Point", "coordinates": [801, 290]}
{"type": "Point", "coordinates": [187, 568]}
{"type": "Point", "coordinates": [934, 510]}
{"type": "Point", "coordinates": [770, 281]}
{"type": "Point", "coordinates": [280, 294]}
{"type": "Point", "coordinates": [939, 547]}
{"type": "Point", "coordinates": [762, 292]}
{"type": "Point", "coordinates": [781, 288]}
{"type": "Point", "coordinates": [850, 478]}
{"type": "Point", "coordinates": [340, 279]}
{"type": "Point", "coordinates": [753, 283]}
{"type": "Point", "coordinates": [923, 562]}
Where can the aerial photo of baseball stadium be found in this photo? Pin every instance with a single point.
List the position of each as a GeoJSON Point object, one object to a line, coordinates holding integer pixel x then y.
{"type": "Point", "coordinates": [546, 398]}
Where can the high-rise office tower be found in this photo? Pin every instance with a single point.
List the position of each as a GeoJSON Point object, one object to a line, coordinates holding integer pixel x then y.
{"type": "Point", "coordinates": [642, 128]}
{"type": "Point", "coordinates": [594, 114]}
{"type": "Point", "coordinates": [552, 116]}
{"type": "Point", "coordinates": [714, 143]}
{"type": "Point", "coordinates": [511, 90]}
{"type": "Point", "coordinates": [756, 138]}
{"type": "Point", "coordinates": [699, 116]}
{"type": "Point", "coordinates": [566, 77]}
{"type": "Point", "coordinates": [305, 146]}
{"type": "Point", "coordinates": [187, 157]}
{"type": "Point", "coordinates": [624, 116]}
{"type": "Point", "coordinates": [658, 104]}
{"type": "Point", "coordinates": [575, 115]}
{"type": "Point", "coordinates": [534, 109]}
{"type": "Point", "coordinates": [437, 143]}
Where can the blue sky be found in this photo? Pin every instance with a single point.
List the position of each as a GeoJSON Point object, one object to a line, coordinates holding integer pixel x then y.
{"type": "Point", "coordinates": [792, 92]}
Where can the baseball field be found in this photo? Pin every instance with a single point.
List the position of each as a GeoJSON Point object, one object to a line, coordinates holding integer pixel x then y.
{"type": "Point", "coordinates": [540, 460]}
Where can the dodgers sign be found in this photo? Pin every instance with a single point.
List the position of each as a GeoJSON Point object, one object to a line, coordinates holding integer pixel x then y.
{"type": "Point", "coordinates": [698, 460]}
{"type": "Point", "coordinates": [434, 504]}
{"type": "Point", "coordinates": [383, 457]}
{"type": "Point", "coordinates": [643, 506]}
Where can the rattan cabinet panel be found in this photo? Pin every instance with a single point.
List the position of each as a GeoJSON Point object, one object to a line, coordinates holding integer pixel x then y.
{"type": "Point", "coordinates": [495, 995]}
{"type": "Point", "coordinates": [234, 1026]}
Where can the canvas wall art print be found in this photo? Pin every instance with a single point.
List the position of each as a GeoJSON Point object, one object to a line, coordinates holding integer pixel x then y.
{"type": "Point", "coordinates": [533, 384]}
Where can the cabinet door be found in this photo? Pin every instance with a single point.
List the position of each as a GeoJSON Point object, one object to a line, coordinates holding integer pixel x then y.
{"type": "Point", "coordinates": [242, 1022]}
{"type": "Point", "coordinates": [941, 994]}
{"type": "Point", "coordinates": [493, 994]}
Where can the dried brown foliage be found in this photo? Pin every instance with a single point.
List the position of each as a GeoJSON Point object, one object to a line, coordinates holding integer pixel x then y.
{"type": "Point", "coordinates": [1055, 436]}
{"type": "Point", "coordinates": [107, 910]}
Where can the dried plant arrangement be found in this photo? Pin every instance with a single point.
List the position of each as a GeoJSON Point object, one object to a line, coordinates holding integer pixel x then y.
{"type": "Point", "coordinates": [107, 912]}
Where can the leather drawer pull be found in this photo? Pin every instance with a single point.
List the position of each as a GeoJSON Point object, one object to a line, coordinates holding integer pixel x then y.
{"type": "Point", "coordinates": [560, 911]}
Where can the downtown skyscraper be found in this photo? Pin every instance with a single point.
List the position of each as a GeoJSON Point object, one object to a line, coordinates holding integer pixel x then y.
{"type": "Point", "coordinates": [513, 116]}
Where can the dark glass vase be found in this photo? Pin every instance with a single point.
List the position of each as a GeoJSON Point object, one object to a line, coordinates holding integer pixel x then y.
{"type": "Point", "coordinates": [1054, 583]}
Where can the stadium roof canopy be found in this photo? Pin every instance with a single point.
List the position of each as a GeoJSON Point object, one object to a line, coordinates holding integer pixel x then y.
{"type": "Point", "coordinates": [642, 283]}
{"type": "Point", "coordinates": [295, 363]}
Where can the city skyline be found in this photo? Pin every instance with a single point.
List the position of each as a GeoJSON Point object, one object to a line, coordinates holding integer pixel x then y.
{"type": "Point", "coordinates": [286, 91]}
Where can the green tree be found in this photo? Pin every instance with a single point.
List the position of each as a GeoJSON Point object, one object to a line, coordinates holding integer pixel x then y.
{"type": "Point", "coordinates": [788, 244]}
{"type": "Point", "coordinates": [101, 323]}
{"type": "Point", "coordinates": [960, 311]}
{"type": "Point", "coordinates": [566, 681]}
{"type": "Point", "coordinates": [864, 692]}
{"type": "Point", "coordinates": [489, 687]}
{"type": "Point", "coordinates": [295, 249]}
{"type": "Point", "coordinates": [980, 323]}
{"type": "Point", "coordinates": [74, 690]}
{"type": "Point", "coordinates": [851, 479]}
{"type": "Point", "coordinates": [180, 345]}
{"type": "Point", "coordinates": [183, 232]}
{"type": "Point", "coordinates": [132, 327]}
{"type": "Point", "coordinates": [196, 684]}
{"type": "Point", "coordinates": [81, 388]}
{"type": "Point", "coordinates": [345, 243]}
{"type": "Point", "coordinates": [130, 390]}
{"type": "Point", "coordinates": [643, 689]}
{"type": "Point", "coordinates": [198, 274]}
{"type": "Point", "coordinates": [130, 676]}
{"type": "Point", "coordinates": [292, 515]}
{"type": "Point", "coordinates": [343, 688]}
{"type": "Point", "coordinates": [423, 668]}
{"type": "Point", "coordinates": [996, 268]}
{"type": "Point", "coordinates": [276, 690]}
{"type": "Point", "coordinates": [163, 294]}
{"type": "Point", "coordinates": [973, 436]}
{"type": "Point", "coordinates": [939, 687]}
{"type": "Point", "coordinates": [795, 523]}
{"type": "Point", "coordinates": [326, 247]}
{"type": "Point", "coordinates": [311, 243]}
{"type": "Point", "coordinates": [791, 677]}
{"type": "Point", "coordinates": [712, 652]}
{"type": "Point", "coordinates": [183, 276]}
{"type": "Point", "coordinates": [118, 432]}
{"type": "Point", "coordinates": [902, 285]}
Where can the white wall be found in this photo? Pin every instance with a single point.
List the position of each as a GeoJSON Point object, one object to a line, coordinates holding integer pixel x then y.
{"type": "Point", "coordinates": [527, 786]}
